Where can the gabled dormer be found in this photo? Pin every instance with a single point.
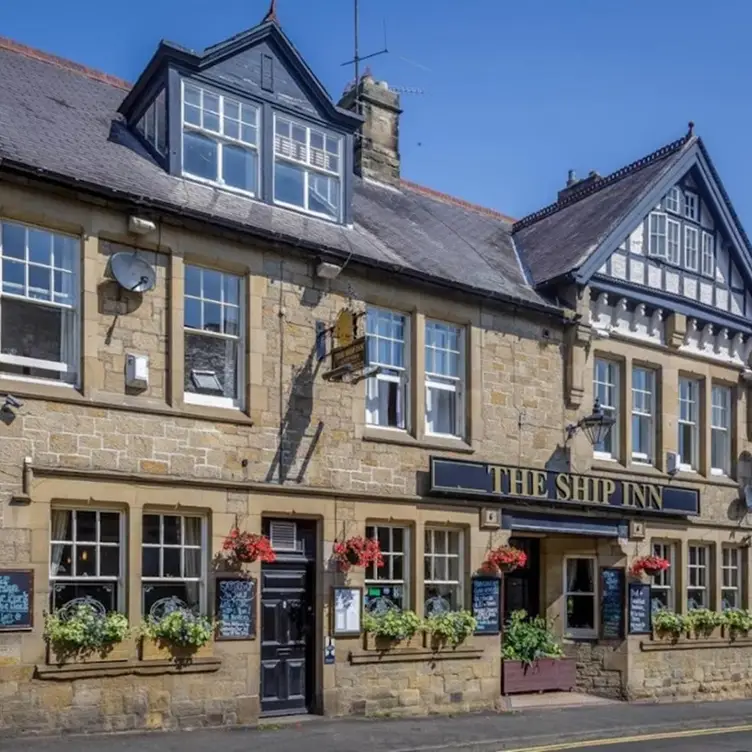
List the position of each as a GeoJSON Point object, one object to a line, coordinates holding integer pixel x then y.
{"type": "Point", "coordinates": [247, 116]}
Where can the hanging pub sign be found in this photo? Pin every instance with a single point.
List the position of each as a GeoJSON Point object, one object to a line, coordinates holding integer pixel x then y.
{"type": "Point", "coordinates": [486, 480]}
{"type": "Point", "coordinates": [350, 354]}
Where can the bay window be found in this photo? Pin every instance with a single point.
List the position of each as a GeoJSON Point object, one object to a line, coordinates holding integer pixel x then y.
{"type": "Point", "coordinates": [657, 235]}
{"type": "Point", "coordinates": [580, 597]}
{"type": "Point", "coordinates": [387, 336]}
{"type": "Point", "coordinates": [214, 338]}
{"type": "Point", "coordinates": [445, 377]}
{"type": "Point", "coordinates": [720, 428]}
{"type": "Point", "coordinates": [606, 390]}
{"type": "Point", "coordinates": [691, 247]}
{"type": "Point", "coordinates": [708, 254]}
{"type": "Point", "coordinates": [697, 582]}
{"type": "Point", "coordinates": [220, 139]}
{"type": "Point", "coordinates": [39, 331]}
{"type": "Point", "coordinates": [173, 564]}
{"type": "Point", "coordinates": [689, 391]}
{"type": "Point", "coordinates": [386, 587]}
{"type": "Point", "coordinates": [443, 573]}
{"type": "Point", "coordinates": [673, 241]}
{"type": "Point", "coordinates": [307, 168]}
{"type": "Point", "coordinates": [643, 414]}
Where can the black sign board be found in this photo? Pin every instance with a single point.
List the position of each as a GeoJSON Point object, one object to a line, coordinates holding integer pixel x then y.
{"type": "Point", "coordinates": [236, 608]}
{"type": "Point", "coordinates": [16, 600]}
{"type": "Point", "coordinates": [640, 617]}
{"type": "Point", "coordinates": [353, 355]}
{"type": "Point", "coordinates": [612, 603]}
{"type": "Point", "coordinates": [486, 599]}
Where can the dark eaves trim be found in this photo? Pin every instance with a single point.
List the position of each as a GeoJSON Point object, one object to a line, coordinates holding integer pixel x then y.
{"type": "Point", "coordinates": [547, 211]}
{"type": "Point", "coordinates": [559, 314]}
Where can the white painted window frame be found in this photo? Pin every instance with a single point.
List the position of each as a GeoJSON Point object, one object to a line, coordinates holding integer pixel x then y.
{"type": "Point", "coordinates": [657, 235]}
{"type": "Point", "coordinates": [581, 634]}
{"type": "Point", "coordinates": [731, 558]}
{"type": "Point", "coordinates": [430, 533]}
{"type": "Point", "coordinates": [707, 264]}
{"type": "Point", "coordinates": [389, 555]}
{"type": "Point", "coordinates": [691, 206]}
{"type": "Point", "coordinates": [70, 328]}
{"type": "Point", "coordinates": [691, 248]}
{"type": "Point", "coordinates": [220, 138]}
{"type": "Point", "coordinates": [720, 427]}
{"type": "Point", "coordinates": [211, 400]}
{"type": "Point", "coordinates": [153, 123]}
{"type": "Point", "coordinates": [402, 377]}
{"type": "Point", "coordinates": [608, 408]}
{"type": "Point", "coordinates": [665, 581]}
{"type": "Point", "coordinates": [698, 571]}
{"type": "Point", "coordinates": [673, 245]}
{"type": "Point", "coordinates": [122, 547]}
{"type": "Point", "coordinates": [443, 382]}
{"type": "Point", "coordinates": [649, 395]}
{"type": "Point", "coordinates": [673, 200]}
{"type": "Point", "coordinates": [692, 405]}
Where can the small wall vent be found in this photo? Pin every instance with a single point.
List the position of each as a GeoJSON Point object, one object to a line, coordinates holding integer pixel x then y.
{"type": "Point", "coordinates": [284, 536]}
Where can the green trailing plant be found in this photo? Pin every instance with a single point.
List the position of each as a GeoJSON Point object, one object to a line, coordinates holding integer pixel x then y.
{"type": "Point", "coordinates": [84, 630]}
{"type": "Point", "coordinates": [738, 621]}
{"type": "Point", "coordinates": [393, 624]}
{"type": "Point", "coordinates": [529, 639]}
{"type": "Point", "coordinates": [451, 627]}
{"type": "Point", "coordinates": [668, 624]}
{"type": "Point", "coordinates": [180, 629]}
{"type": "Point", "coordinates": [702, 621]}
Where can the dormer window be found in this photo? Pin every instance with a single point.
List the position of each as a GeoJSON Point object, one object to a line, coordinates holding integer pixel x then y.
{"type": "Point", "coordinates": [153, 124]}
{"type": "Point", "coordinates": [220, 139]}
{"type": "Point", "coordinates": [307, 168]}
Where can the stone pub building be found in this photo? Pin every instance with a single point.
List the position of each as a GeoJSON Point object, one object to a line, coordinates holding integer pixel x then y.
{"type": "Point", "coordinates": [143, 421]}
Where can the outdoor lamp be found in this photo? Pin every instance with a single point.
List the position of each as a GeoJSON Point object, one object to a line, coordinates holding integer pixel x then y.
{"type": "Point", "coordinates": [596, 426]}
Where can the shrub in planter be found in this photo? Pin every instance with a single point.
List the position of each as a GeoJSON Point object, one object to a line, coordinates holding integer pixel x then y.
{"type": "Point", "coordinates": [668, 624]}
{"type": "Point", "coordinates": [451, 627]}
{"type": "Point", "coordinates": [393, 625]}
{"type": "Point", "coordinates": [179, 631]}
{"type": "Point", "coordinates": [528, 640]}
{"type": "Point", "coordinates": [738, 622]}
{"type": "Point", "coordinates": [702, 621]}
{"type": "Point", "coordinates": [84, 631]}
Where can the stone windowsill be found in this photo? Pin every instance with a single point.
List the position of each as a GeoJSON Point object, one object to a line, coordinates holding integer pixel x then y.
{"type": "Point", "coordinates": [651, 646]}
{"type": "Point", "coordinates": [102, 669]}
{"type": "Point", "coordinates": [413, 655]}
{"type": "Point", "coordinates": [402, 438]}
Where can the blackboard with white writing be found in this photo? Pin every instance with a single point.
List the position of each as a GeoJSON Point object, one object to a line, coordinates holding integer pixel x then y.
{"type": "Point", "coordinates": [16, 599]}
{"type": "Point", "coordinates": [487, 604]}
{"type": "Point", "coordinates": [236, 608]}
{"type": "Point", "coordinates": [640, 621]}
{"type": "Point", "coordinates": [612, 603]}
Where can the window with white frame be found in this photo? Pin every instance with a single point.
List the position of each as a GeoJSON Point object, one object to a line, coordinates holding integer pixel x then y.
{"type": "Point", "coordinates": [657, 235]}
{"type": "Point", "coordinates": [606, 390]}
{"type": "Point", "coordinates": [39, 332]}
{"type": "Point", "coordinates": [214, 337]}
{"type": "Point", "coordinates": [387, 336]}
{"type": "Point", "coordinates": [691, 208]}
{"type": "Point", "coordinates": [673, 200]}
{"type": "Point", "coordinates": [689, 392]}
{"type": "Point", "coordinates": [307, 168]}
{"type": "Point", "coordinates": [708, 254]}
{"type": "Point", "coordinates": [580, 597]}
{"type": "Point", "coordinates": [720, 427]}
{"type": "Point", "coordinates": [445, 376]}
{"type": "Point", "coordinates": [220, 139]}
{"type": "Point", "coordinates": [673, 241]}
{"type": "Point", "coordinates": [662, 591]}
{"type": "Point", "coordinates": [153, 124]}
{"type": "Point", "coordinates": [387, 587]}
{"type": "Point", "coordinates": [697, 578]}
{"type": "Point", "coordinates": [691, 250]}
{"type": "Point", "coordinates": [86, 559]}
{"type": "Point", "coordinates": [443, 573]}
{"type": "Point", "coordinates": [643, 414]}
{"type": "Point", "coordinates": [172, 564]}
{"type": "Point", "coordinates": [730, 578]}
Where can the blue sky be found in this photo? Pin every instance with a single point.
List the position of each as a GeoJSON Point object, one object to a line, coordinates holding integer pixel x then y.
{"type": "Point", "coordinates": [515, 93]}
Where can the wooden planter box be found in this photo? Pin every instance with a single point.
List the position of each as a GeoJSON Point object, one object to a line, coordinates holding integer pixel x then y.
{"type": "Point", "coordinates": [383, 644]}
{"type": "Point", "coordinates": [433, 643]}
{"type": "Point", "coordinates": [153, 651]}
{"type": "Point", "coordinates": [543, 675]}
{"type": "Point", "coordinates": [120, 651]}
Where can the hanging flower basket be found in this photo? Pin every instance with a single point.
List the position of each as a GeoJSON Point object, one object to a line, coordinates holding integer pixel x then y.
{"type": "Point", "coordinates": [505, 559]}
{"type": "Point", "coordinates": [649, 565]}
{"type": "Point", "coordinates": [248, 547]}
{"type": "Point", "coordinates": [357, 552]}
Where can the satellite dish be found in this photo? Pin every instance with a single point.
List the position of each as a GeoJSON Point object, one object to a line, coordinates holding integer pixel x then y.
{"type": "Point", "coordinates": [132, 272]}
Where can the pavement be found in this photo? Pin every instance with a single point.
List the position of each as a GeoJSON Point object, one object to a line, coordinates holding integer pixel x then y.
{"type": "Point", "coordinates": [613, 727]}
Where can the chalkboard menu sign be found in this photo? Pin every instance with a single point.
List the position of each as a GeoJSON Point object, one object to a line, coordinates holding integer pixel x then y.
{"type": "Point", "coordinates": [640, 621]}
{"type": "Point", "coordinates": [16, 599]}
{"type": "Point", "coordinates": [236, 608]}
{"type": "Point", "coordinates": [612, 603]}
{"type": "Point", "coordinates": [487, 604]}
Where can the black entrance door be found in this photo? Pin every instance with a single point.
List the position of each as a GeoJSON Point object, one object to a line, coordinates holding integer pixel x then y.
{"type": "Point", "coordinates": [286, 637]}
{"type": "Point", "coordinates": [522, 587]}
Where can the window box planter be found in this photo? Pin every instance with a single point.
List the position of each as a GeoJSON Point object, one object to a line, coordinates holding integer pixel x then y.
{"type": "Point", "coordinates": [545, 674]}
{"type": "Point", "coordinates": [437, 644]}
{"type": "Point", "coordinates": [119, 651]}
{"type": "Point", "coordinates": [164, 651]}
{"type": "Point", "coordinates": [384, 644]}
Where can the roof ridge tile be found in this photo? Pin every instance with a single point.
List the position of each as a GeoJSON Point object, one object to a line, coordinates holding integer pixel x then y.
{"type": "Point", "coordinates": [596, 186]}
{"type": "Point", "coordinates": [36, 54]}
{"type": "Point", "coordinates": [448, 198]}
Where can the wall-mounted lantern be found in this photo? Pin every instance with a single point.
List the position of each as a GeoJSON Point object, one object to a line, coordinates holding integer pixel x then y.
{"type": "Point", "coordinates": [596, 426]}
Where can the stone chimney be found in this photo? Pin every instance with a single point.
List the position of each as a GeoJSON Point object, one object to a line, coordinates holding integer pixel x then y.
{"type": "Point", "coordinates": [377, 147]}
{"type": "Point", "coordinates": [575, 184]}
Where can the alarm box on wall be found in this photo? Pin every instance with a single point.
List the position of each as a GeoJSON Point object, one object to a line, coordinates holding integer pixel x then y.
{"type": "Point", "coordinates": [490, 518]}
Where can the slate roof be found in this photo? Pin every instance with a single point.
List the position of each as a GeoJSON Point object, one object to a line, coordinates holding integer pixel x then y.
{"type": "Point", "coordinates": [558, 239]}
{"type": "Point", "coordinates": [58, 120]}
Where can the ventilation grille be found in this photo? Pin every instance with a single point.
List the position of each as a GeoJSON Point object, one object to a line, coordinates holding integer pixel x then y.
{"type": "Point", "coordinates": [284, 536]}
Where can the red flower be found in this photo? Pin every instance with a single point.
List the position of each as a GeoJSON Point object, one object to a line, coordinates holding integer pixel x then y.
{"type": "Point", "coordinates": [505, 558]}
{"type": "Point", "coordinates": [249, 547]}
{"type": "Point", "coordinates": [357, 552]}
{"type": "Point", "coordinates": [650, 565]}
